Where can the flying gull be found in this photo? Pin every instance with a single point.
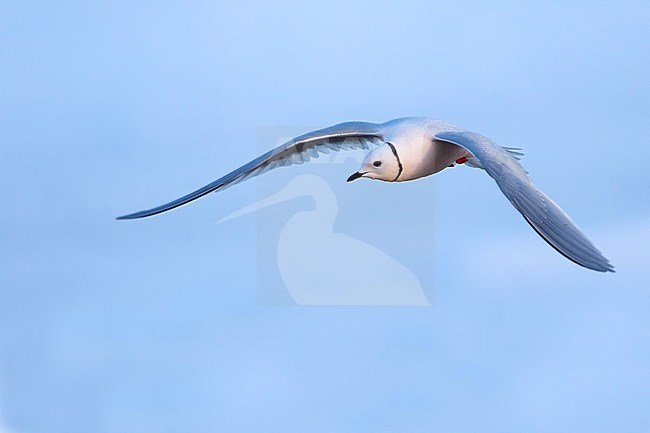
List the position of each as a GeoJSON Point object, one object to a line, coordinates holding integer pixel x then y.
{"type": "Point", "coordinates": [413, 147]}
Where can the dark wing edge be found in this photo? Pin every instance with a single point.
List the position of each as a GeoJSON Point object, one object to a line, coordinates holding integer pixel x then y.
{"type": "Point", "coordinates": [344, 136]}
{"type": "Point", "coordinates": [542, 213]}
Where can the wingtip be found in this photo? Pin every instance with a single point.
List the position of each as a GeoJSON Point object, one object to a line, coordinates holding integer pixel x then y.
{"type": "Point", "coordinates": [604, 268]}
{"type": "Point", "coordinates": [131, 216]}
{"type": "Point", "coordinates": [608, 266]}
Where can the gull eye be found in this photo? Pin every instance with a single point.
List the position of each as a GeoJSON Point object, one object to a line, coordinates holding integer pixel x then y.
{"type": "Point", "coordinates": [377, 163]}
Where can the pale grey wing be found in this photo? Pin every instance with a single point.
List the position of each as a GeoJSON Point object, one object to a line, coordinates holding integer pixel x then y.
{"type": "Point", "coordinates": [546, 217]}
{"type": "Point", "coordinates": [344, 136]}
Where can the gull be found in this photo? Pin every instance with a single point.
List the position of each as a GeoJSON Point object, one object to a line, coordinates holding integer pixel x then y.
{"type": "Point", "coordinates": [410, 148]}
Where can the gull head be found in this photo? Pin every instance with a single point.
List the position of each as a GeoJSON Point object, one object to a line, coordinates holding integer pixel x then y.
{"type": "Point", "coordinates": [381, 163]}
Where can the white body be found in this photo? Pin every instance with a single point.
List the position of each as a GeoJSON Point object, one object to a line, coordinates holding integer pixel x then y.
{"type": "Point", "coordinates": [421, 156]}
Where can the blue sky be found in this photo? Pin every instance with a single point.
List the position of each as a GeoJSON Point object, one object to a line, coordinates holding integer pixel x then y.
{"type": "Point", "coordinates": [156, 325]}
